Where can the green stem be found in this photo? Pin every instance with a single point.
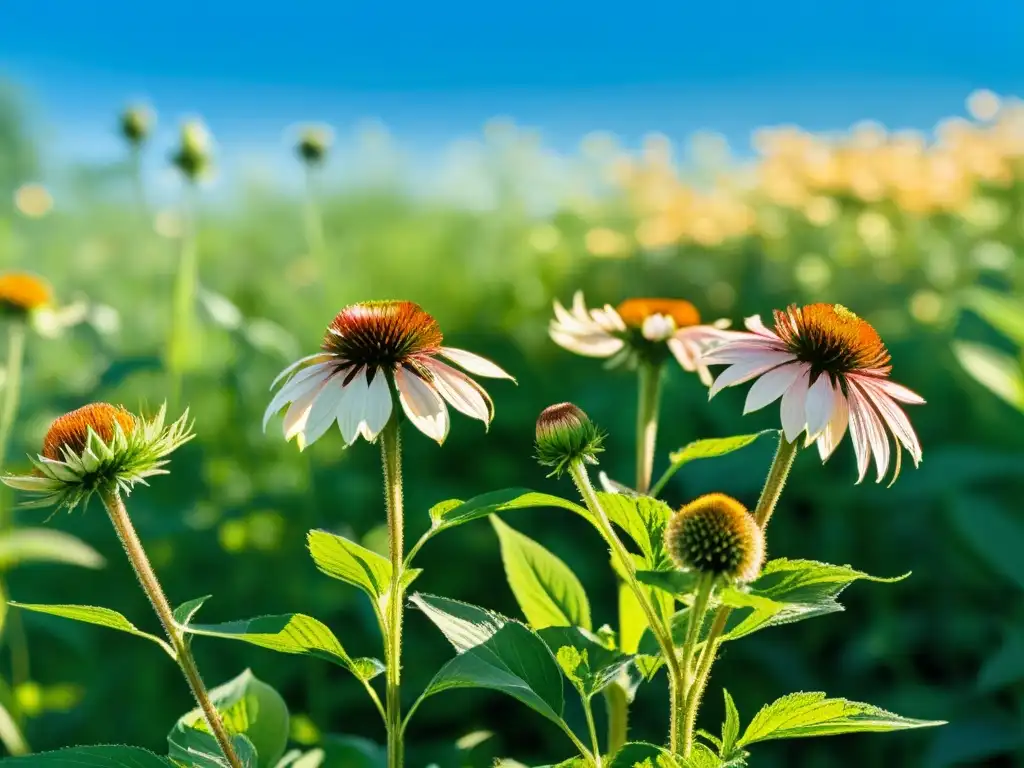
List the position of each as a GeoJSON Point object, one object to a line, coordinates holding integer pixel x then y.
{"type": "Point", "coordinates": [676, 692]}
{"type": "Point", "coordinates": [186, 284]}
{"type": "Point", "coordinates": [588, 710]}
{"type": "Point", "coordinates": [617, 706]}
{"type": "Point", "coordinates": [694, 625]}
{"type": "Point", "coordinates": [314, 223]}
{"type": "Point", "coordinates": [12, 390]}
{"type": "Point", "coordinates": [137, 183]}
{"type": "Point", "coordinates": [647, 423]}
{"type": "Point", "coordinates": [773, 485]}
{"type": "Point", "coordinates": [151, 586]}
{"type": "Point", "coordinates": [391, 457]}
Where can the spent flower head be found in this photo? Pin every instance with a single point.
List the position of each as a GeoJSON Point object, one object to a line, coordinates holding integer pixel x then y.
{"type": "Point", "coordinates": [99, 447]}
{"type": "Point", "coordinates": [566, 434]}
{"type": "Point", "coordinates": [831, 370]}
{"type": "Point", "coordinates": [638, 330]}
{"type": "Point", "coordinates": [372, 353]}
{"type": "Point", "coordinates": [137, 123]}
{"type": "Point", "coordinates": [716, 535]}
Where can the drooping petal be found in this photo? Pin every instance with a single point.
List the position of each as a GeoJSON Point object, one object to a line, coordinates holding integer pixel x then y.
{"type": "Point", "coordinates": [298, 412]}
{"type": "Point", "coordinates": [793, 411]}
{"type": "Point", "coordinates": [378, 407]}
{"type": "Point", "coordinates": [595, 344]}
{"type": "Point", "coordinates": [464, 394]}
{"type": "Point", "coordinates": [867, 426]}
{"type": "Point", "coordinates": [754, 365]}
{"type": "Point", "coordinates": [303, 382]}
{"type": "Point", "coordinates": [898, 392]}
{"type": "Point", "coordinates": [422, 404]}
{"type": "Point", "coordinates": [324, 411]}
{"type": "Point", "coordinates": [474, 363]}
{"type": "Point", "coordinates": [821, 399]}
{"type": "Point", "coordinates": [754, 325]}
{"type": "Point", "coordinates": [319, 357]}
{"type": "Point", "coordinates": [771, 386]}
{"type": "Point", "coordinates": [352, 408]}
{"type": "Point", "coordinates": [833, 433]}
{"type": "Point", "coordinates": [893, 416]}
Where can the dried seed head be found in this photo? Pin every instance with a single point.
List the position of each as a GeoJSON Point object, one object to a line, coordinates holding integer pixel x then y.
{"type": "Point", "coordinates": [715, 534]}
{"type": "Point", "coordinates": [566, 434]}
{"type": "Point", "coordinates": [71, 431]}
{"type": "Point", "coordinates": [21, 293]}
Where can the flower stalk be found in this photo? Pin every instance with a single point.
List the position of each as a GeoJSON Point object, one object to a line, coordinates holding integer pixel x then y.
{"type": "Point", "coordinates": [154, 591]}
{"type": "Point", "coordinates": [186, 284]}
{"type": "Point", "coordinates": [649, 378]}
{"type": "Point", "coordinates": [391, 458]}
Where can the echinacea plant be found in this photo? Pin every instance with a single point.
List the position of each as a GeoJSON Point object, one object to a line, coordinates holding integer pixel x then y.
{"type": "Point", "coordinates": [691, 579]}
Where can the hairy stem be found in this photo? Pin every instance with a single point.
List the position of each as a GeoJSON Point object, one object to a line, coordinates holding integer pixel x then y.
{"type": "Point", "coordinates": [676, 692]}
{"type": "Point", "coordinates": [647, 423]}
{"type": "Point", "coordinates": [391, 457]}
{"type": "Point", "coordinates": [773, 485]}
{"type": "Point", "coordinates": [151, 586]}
{"type": "Point", "coordinates": [588, 710]}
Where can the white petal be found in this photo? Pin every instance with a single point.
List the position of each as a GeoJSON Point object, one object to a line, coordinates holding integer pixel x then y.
{"type": "Point", "coordinates": [893, 416]}
{"type": "Point", "coordinates": [754, 325]}
{"type": "Point", "coordinates": [303, 382]}
{"type": "Point", "coordinates": [298, 413]}
{"type": "Point", "coordinates": [793, 411]}
{"type": "Point", "coordinates": [753, 365]}
{"type": "Point", "coordinates": [474, 363]}
{"type": "Point", "coordinates": [899, 392]}
{"type": "Point", "coordinates": [324, 411]}
{"type": "Point", "coordinates": [319, 357]}
{"type": "Point", "coordinates": [737, 351]}
{"type": "Point", "coordinates": [859, 438]}
{"type": "Point", "coordinates": [464, 394]}
{"type": "Point", "coordinates": [352, 408]}
{"type": "Point", "coordinates": [378, 407]}
{"type": "Point", "coordinates": [658, 327]}
{"type": "Point", "coordinates": [685, 353]}
{"type": "Point", "coordinates": [873, 432]}
{"type": "Point", "coordinates": [821, 398]}
{"type": "Point", "coordinates": [595, 344]}
{"type": "Point", "coordinates": [422, 404]}
{"type": "Point", "coordinates": [570, 322]}
{"type": "Point", "coordinates": [771, 386]}
{"type": "Point", "coordinates": [833, 433]}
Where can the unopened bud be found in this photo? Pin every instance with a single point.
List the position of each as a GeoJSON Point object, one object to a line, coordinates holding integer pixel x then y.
{"type": "Point", "coordinates": [566, 434]}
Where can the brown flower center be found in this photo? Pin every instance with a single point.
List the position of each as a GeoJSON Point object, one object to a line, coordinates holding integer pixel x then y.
{"type": "Point", "coordinates": [832, 339]}
{"type": "Point", "coordinates": [24, 292]}
{"type": "Point", "coordinates": [382, 334]}
{"type": "Point", "coordinates": [634, 311]}
{"type": "Point", "coordinates": [71, 430]}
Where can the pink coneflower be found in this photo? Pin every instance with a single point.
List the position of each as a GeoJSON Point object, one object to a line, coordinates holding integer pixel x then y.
{"type": "Point", "coordinates": [638, 330]}
{"type": "Point", "coordinates": [831, 370]}
{"type": "Point", "coordinates": [371, 350]}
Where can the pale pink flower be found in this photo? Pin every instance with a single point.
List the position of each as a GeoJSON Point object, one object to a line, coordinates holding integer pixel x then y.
{"type": "Point", "coordinates": [831, 370]}
{"type": "Point", "coordinates": [374, 351]}
{"type": "Point", "coordinates": [638, 330]}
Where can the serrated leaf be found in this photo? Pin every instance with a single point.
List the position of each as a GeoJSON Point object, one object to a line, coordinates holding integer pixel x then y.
{"type": "Point", "coordinates": [251, 711]}
{"type": "Point", "coordinates": [495, 653]}
{"type": "Point", "coordinates": [801, 715]}
{"type": "Point", "coordinates": [448, 514]}
{"type": "Point", "coordinates": [185, 612]}
{"type": "Point", "coordinates": [44, 545]}
{"type": "Point", "coordinates": [100, 756]}
{"type": "Point", "coordinates": [994, 533]}
{"type": "Point", "coordinates": [997, 371]}
{"type": "Point", "coordinates": [597, 666]}
{"type": "Point", "coordinates": [703, 757]}
{"type": "Point", "coordinates": [644, 520]}
{"type": "Point", "coordinates": [731, 726]}
{"type": "Point", "coordinates": [91, 614]}
{"type": "Point", "coordinates": [706, 449]}
{"type": "Point", "coordinates": [638, 754]}
{"type": "Point", "coordinates": [1002, 312]}
{"type": "Point", "coordinates": [195, 748]}
{"type": "Point", "coordinates": [352, 563]}
{"type": "Point", "coordinates": [548, 592]}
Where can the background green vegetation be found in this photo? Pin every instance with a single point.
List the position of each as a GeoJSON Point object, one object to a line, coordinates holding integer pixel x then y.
{"type": "Point", "coordinates": [231, 519]}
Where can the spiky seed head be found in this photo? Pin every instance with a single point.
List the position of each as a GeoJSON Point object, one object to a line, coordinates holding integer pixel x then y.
{"type": "Point", "coordinates": [566, 434]}
{"type": "Point", "coordinates": [99, 447]}
{"type": "Point", "coordinates": [715, 534]}
{"type": "Point", "coordinates": [136, 124]}
{"type": "Point", "coordinates": [22, 293]}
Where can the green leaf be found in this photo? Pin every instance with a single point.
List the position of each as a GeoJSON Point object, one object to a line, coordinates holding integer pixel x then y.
{"type": "Point", "coordinates": [638, 754]}
{"type": "Point", "coordinates": [994, 533]}
{"type": "Point", "coordinates": [677, 583]}
{"type": "Point", "coordinates": [10, 733]}
{"type": "Point", "coordinates": [731, 726]}
{"type": "Point", "coordinates": [185, 612]}
{"type": "Point", "coordinates": [997, 371]}
{"type": "Point", "coordinates": [1002, 312]}
{"type": "Point", "coordinates": [801, 715]}
{"type": "Point", "coordinates": [448, 514]}
{"type": "Point", "coordinates": [296, 758]}
{"type": "Point", "coordinates": [352, 752]}
{"type": "Point", "coordinates": [43, 545]}
{"type": "Point", "coordinates": [352, 563]}
{"type": "Point", "coordinates": [644, 520]}
{"type": "Point", "coordinates": [705, 449]}
{"type": "Point", "coordinates": [102, 756]}
{"type": "Point", "coordinates": [548, 592]}
{"type": "Point", "coordinates": [91, 614]}
{"type": "Point", "coordinates": [597, 666]}
{"type": "Point", "coordinates": [703, 757]}
{"type": "Point", "coordinates": [495, 653]}
{"type": "Point", "coordinates": [251, 710]}
{"type": "Point", "coordinates": [196, 748]}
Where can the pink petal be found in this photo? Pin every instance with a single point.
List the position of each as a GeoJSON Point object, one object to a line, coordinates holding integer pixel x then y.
{"type": "Point", "coordinates": [899, 392]}
{"type": "Point", "coordinates": [736, 351]}
{"type": "Point", "coordinates": [422, 404]}
{"type": "Point", "coordinates": [876, 434]}
{"type": "Point", "coordinates": [771, 386]}
{"type": "Point", "coordinates": [378, 407]}
{"type": "Point", "coordinates": [754, 325]}
{"type": "Point", "coordinates": [833, 433]}
{"type": "Point", "coordinates": [794, 404]}
{"type": "Point", "coordinates": [323, 413]}
{"type": "Point", "coordinates": [298, 413]}
{"type": "Point", "coordinates": [352, 408]}
{"type": "Point", "coordinates": [894, 417]}
{"type": "Point", "coordinates": [821, 398]}
{"type": "Point", "coordinates": [304, 381]}
{"type": "Point", "coordinates": [474, 363]}
{"type": "Point", "coordinates": [753, 365]}
{"type": "Point", "coordinates": [860, 439]}
{"type": "Point", "coordinates": [464, 394]}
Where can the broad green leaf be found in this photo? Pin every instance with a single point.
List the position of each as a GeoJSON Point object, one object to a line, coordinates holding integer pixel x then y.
{"type": "Point", "coordinates": [548, 592]}
{"type": "Point", "coordinates": [448, 514]}
{"type": "Point", "coordinates": [185, 612]}
{"type": "Point", "coordinates": [250, 709]}
{"type": "Point", "coordinates": [677, 583]}
{"type": "Point", "coordinates": [352, 563]}
{"type": "Point", "coordinates": [495, 653]}
{"type": "Point", "coordinates": [1002, 312]}
{"type": "Point", "coordinates": [644, 520]}
{"type": "Point", "coordinates": [91, 614]}
{"type": "Point", "coordinates": [703, 757]}
{"type": "Point", "coordinates": [638, 754]}
{"type": "Point", "coordinates": [352, 752]}
{"type": "Point", "coordinates": [10, 734]}
{"type": "Point", "coordinates": [731, 726]}
{"type": "Point", "coordinates": [44, 545]}
{"type": "Point", "coordinates": [632, 621]}
{"type": "Point", "coordinates": [705, 449]}
{"type": "Point", "coordinates": [1006, 666]}
{"type": "Point", "coordinates": [597, 666]}
{"type": "Point", "coordinates": [614, 486]}
{"type": "Point", "coordinates": [196, 748]}
{"type": "Point", "coordinates": [994, 533]}
{"type": "Point", "coordinates": [103, 756]}
{"type": "Point", "coordinates": [296, 758]}
{"type": "Point", "coordinates": [801, 715]}
{"type": "Point", "coordinates": [997, 371]}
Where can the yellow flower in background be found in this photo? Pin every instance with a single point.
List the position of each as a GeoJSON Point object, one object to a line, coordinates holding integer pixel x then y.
{"type": "Point", "coordinates": [22, 293]}
{"type": "Point", "coordinates": [33, 200]}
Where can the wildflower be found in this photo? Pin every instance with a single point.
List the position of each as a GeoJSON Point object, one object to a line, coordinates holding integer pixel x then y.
{"type": "Point", "coordinates": [136, 124]}
{"type": "Point", "coordinates": [22, 293]}
{"type": "Point", "coordinates": [371, 351]}
{"type": "Point", "coordinates": [831, 370]}
{"type": "Point", "coordinates": [313, 144]}
{"type": "Point", "coordinates": [566, 434]}
{"type": "Point", "coordinates": [638, 330]}
{"type": "Point", "coordinates": [99, 447]}
{"type": "Point", "coordinates": [193, 156]}
{"type": "Point", "coordinates": [715, 534]}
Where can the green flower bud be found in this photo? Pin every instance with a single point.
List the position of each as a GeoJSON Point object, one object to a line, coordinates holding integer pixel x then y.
{"type": "Point", "coordinates": [193, 156]}
{"type": "Point", "coordinates": [313, 144]}
{"type": "Point", "coordinates": [715, 534]}
{"type": "Point", "coordinates": [564, 434]}
{"type": "Point", "coordinates": [136, 124]}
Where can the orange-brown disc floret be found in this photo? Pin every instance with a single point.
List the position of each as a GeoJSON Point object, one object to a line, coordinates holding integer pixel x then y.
{"type": "Point", "coordinates": [71, 430]}
{"type": "Point", "coordinates": [715, 534]}
{"type": "Point", "coordinates": [24, 292]}
{"type": "Point", "coordinates": [382, 334]}
{"type": "Point", "coordinates": [832, 339]}
{"type": "Point", "coordinates": [634, 311]}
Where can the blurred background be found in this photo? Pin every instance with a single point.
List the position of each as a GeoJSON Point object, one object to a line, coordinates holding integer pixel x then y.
{"type": "Point", "coordinates": [483, 162]}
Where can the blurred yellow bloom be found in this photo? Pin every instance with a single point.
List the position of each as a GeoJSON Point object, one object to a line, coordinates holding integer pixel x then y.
{"type": "Point", "coordinates": [926, 306]}
{"type": "Point", "coordinates": [821, 211]}
{"type": "Point", "coordinates": [602, 241]}
{"type": "Point", "coordinates": [33, 200]}
{"type": "Point", "coordinates": [983, 105]}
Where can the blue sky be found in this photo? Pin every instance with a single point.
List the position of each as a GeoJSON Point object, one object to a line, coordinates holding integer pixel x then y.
{"type": "Point", "coordinates": [436, 71]}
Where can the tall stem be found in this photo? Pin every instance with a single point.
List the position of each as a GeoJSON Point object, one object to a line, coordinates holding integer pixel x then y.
{"type": "Point", "coordinates": [186, 284]}
{"type": "Point", "coordinates": [588, 711]}
{"type": "Point", "coordinates": [314, 222]}
{"type": "Point", "coordinates": [676, 692]}
{"type": "Point", "coordinates": [773, 485]}
{"type": "Point", "coordinates": [647, 423]}
{"type": "Point", "coordinates": [151, 586]}
{"type": "Point", "coordinates": [12, 391]}
{"type": "Point", "coordinates": [138, 186]}
{"type": "Point", "coordinates": [694, 625]}
{"type": "Point", "coordinates": [391, 456]}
